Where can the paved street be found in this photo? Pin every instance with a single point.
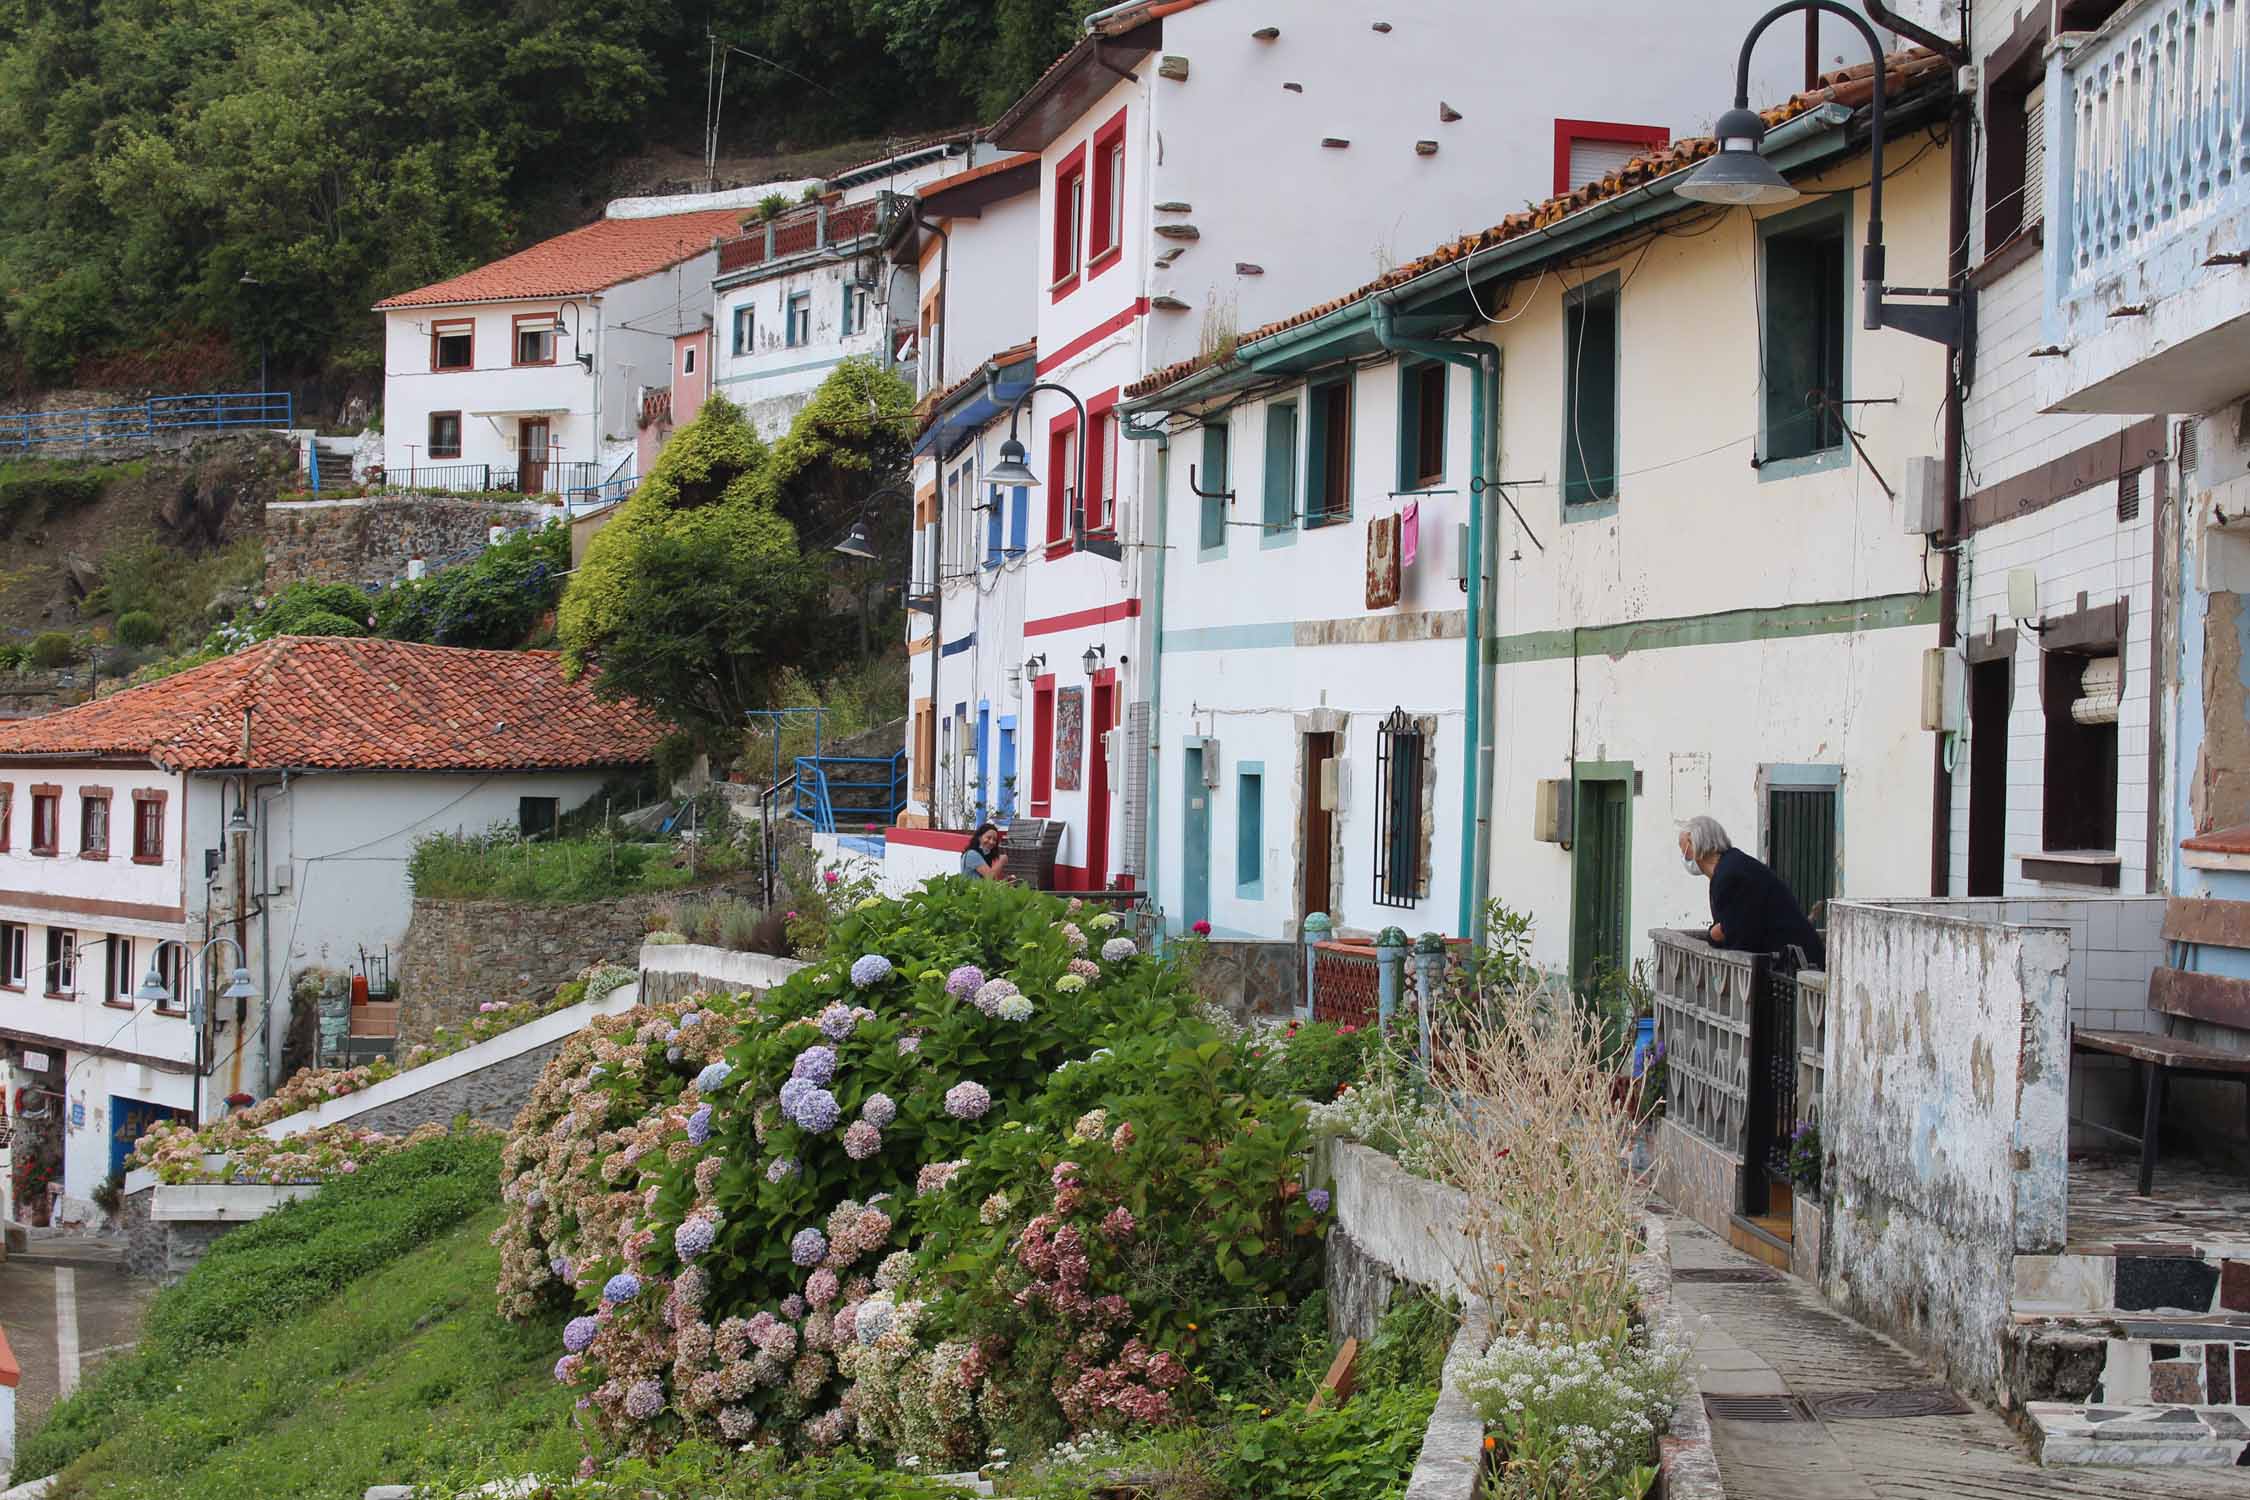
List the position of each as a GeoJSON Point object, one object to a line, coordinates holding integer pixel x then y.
{"type": "Point", "coordinates": [1776, 1338]}
{"type": "Point", "coordinates": [62, 1320]}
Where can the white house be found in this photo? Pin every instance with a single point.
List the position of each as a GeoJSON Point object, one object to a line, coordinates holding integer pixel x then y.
{"type": "Point", "coordinates": [1205, 168]}
{"type": "Point", "coordinates": [1490, 573]}
{"type": "Point", "coordinates": [526, 374]}
{"type": "Point", "coordinates": [256, 811]}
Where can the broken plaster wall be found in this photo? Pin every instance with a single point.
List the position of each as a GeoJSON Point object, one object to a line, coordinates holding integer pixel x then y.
{"type": "Point", "coordinates": [1945, 1119]}
{"type": "Point", "coordinates": [2221, 790]}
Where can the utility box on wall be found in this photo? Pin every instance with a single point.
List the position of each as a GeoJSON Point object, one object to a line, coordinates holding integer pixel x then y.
{"type": "Point", "coordinates": [1941, 689]}
{"type": "Point", "coordinates": [1550, 814]}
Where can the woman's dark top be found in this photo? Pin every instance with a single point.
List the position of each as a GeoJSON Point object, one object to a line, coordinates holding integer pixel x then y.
{"type": "Point", "coordinates": [1756, 912]}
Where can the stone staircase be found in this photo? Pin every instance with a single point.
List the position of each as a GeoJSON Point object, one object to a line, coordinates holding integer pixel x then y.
{"type": "Point", "coordinates": [2133, 1353]}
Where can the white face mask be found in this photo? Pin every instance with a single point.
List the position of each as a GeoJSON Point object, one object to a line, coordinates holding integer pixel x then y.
{"type": "Point", "coordinates": [1692, 867]}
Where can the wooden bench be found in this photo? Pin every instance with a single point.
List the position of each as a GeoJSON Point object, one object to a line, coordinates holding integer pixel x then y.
{"type": "Point", "coordinates": [2178, 994]}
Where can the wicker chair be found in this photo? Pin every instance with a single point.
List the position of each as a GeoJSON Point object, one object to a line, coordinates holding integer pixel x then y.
{"type": "Point", "coordinates": [1031, 845]}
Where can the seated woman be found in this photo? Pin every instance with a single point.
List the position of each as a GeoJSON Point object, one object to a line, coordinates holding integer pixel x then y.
{"type": "Point", "coordinates": [983, 856]}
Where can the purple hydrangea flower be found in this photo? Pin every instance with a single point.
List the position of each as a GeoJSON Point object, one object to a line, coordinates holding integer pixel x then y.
{"type": "Point", "coordinates": [967, 1100]}
{"type": "Point", "coordinates": [692, 1018]}
{"type": "Point", "coordinates": [792, 1307]}
{"type": "Point", "coordinates": [910, 1044]}
{"type": "Point", "coordinates": [862, 1140]}
{"type": "Point", "coordinates": [836, 1022]}
{"type": "Point", "coordinates": [817, 1111]}
{"type": "Point", "coordinates": [991, 993]}
{"type": "Point", "coordinates": [578, 1333]}
{"type": "Point", "coordinates": [693, 1238]}
{"type": "Point", "coordinates": [869, 970]}
{"type": "Point", "coordinates": [809, 1247]}
{"type": "Point", "coordinates": [794, 1090]}
{"type": "Point", "coordinates": [963, 982]}
{"type": "Point", "coordinates": [644, 1400]}
{"type": "Point", "coordinates": [708, 1081]}
{"type": "Point", "coordinates": [781, 1169]}
{"type": "Point", "coordinates": [671, 1033]}
{"type": "Point", "coordinates": [816, 1064]}
{"type": "Point", "coordinates": [699, 1126]}
{"type": "Point", "coordinates": [879, 1110]}
{"type": "Point", "coordinates": [671, 1054]}
{"type": "Point", "coordinates": [1317, 1200]}
{"type": "Point", "coordinates": [560, 1265]}
{"type": "Point", "coordinates": [623, 1287]}
{"type": "Point", "coordinates": [566, 1369]}
{"type": "Point", "coordinates": [1118, 949]}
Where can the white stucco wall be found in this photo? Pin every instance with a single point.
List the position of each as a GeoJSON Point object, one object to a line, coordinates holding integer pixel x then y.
{"type": "Point", "coordinates": [773, 381]}
{"type": "Point", "coordinates": [992, 273]}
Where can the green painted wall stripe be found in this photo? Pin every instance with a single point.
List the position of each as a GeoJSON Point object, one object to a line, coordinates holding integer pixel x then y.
{"type": "Point", "coordinates": [1782, 622]}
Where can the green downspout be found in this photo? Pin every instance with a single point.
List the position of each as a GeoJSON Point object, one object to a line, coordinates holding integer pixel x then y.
{"type": "Point", "coordinates": [1150, 843]}
{"type": "Point", "coordinates": [1482, 360]}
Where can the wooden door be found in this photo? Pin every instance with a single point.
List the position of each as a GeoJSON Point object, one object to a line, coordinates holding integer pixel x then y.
{"type": "Point", "coordinates": [531, 455]}
{"type": "Point", "coordinates": [1101, 716]}
{"type": "Point", "coordinates": [1320, 824]}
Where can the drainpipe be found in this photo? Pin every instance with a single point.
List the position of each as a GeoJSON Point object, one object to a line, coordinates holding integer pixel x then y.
{"type": "Point", "coordinates": [1149, 842]}
{"type": "Point", "coordinates": [1483, 363]}
{"type": "Point", "coordinates": [1950, 540]}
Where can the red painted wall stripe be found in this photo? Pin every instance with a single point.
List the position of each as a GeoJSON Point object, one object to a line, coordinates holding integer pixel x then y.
{"type": "Point", "coordinates": [1077, 619]}
{"type": "Point", "coordinates": [928, 838]}
{"type": "Point", "coordinates": [1093, 336]}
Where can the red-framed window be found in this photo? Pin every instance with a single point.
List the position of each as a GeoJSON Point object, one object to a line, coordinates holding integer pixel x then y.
{"type": "Point", "coordinates": [93, 822]}
{"type": "Point", "coordinates": [453, 344]}
{"type": "Point", "coordinates": [1589, 149]}
{"type": "Point", "coordinates": [1070, 221]}
{"type": "Point", "coordinates": [148, 827]}
{"type": "Point", "coordinates": [1042, 745]}
{"type": "Point", "coordinates": [46, 818]}
{"type": "Point", "coordinates": [1101, 462]}
{"type": "Point", "coordinates": [535, 338]}
{"type": "Point", "coordinates": [1105, 235]}
{"type": "Point", "coordinates": [1062, 479]}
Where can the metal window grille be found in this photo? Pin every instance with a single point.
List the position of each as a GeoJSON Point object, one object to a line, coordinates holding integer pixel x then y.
{"type": "Point", "coordinates": [2187, 445]}
{"type": "Point", "coordinates": [1399, 751]}
{"type": "Point", "coordinates": [2129, 495]}
{"type": "Point", "coordinates": [1134, 775]}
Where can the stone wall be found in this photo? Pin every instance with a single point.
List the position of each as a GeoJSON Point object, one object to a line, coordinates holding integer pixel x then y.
{"type": "Point", "coordinates": [162, 1244]}
{"type": "Point", "coordinates": [1699, 1179]}
{"type": "Point", "coordinates": [459, 954]}
{"type": "Point", "coordinates": [369, 541]}
{"type": "Point", "coordinates": [490, 1096]}
{"type": "Point", "coordinates": [1252, 978]}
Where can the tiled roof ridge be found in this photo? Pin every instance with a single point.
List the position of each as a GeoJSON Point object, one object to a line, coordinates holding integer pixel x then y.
{"type": "Point", "coordinates": [969, 132]}
{"type": "Point", "coordinates": [1851, 86]}
{"type": "Point", "coordinates": [591, 258]}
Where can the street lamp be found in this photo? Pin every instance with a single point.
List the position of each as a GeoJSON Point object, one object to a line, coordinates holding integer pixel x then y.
{"type": "Point", "coordinates": [1013, 470]}
{"type": "Point", "coordinates": [1738, 174]}
{"type": "Point", "coordinates": [856, 542]}
{"type": "Point", "coordinates": [154, 991]}
{"type": "Point", "coordinates": [1092, 661]}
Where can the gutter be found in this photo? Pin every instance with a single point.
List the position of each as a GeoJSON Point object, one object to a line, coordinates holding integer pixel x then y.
{"type": "Point", "coordinates": [1482, 361]}
{"type": "Point", "coordinates": [1149, 823]}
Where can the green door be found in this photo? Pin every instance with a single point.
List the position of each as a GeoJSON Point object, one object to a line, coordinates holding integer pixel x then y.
{"type": "Point", "coordinates": [1801, 845]}
{"type": "Point", "coordinates": [1601, 865]}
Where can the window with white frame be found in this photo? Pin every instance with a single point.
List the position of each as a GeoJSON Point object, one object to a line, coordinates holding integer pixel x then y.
{"type": "Point", "coordinates": [799, 312]}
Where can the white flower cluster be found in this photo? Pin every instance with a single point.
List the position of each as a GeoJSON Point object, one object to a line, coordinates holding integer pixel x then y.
{"type": "Point", "coordinates": [1592, 1409]}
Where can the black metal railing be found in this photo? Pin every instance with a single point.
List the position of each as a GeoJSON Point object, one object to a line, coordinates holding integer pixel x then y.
{"type": "Point", "coordinates": [1772, 1117]}
{"type": "Point", "coordinates": [562, 480]}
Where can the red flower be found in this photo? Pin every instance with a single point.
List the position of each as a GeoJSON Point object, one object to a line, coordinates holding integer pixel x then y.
{"type": "Point", "coordinates": [1347, 1031]}
{"type": "Point", "coordinates": [1201, 928]}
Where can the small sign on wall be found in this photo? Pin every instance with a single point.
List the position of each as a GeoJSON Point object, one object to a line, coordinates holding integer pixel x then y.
{"type": "Point", "coordinates": [37, 1062]}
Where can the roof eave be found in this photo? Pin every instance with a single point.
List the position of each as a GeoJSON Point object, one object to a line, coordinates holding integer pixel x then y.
{"type": "Point", "coordinates": [1064, 91]}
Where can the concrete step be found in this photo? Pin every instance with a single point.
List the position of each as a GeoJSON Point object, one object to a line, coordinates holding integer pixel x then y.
{"type": "Point", "coordinates": [2130, 1361]}
{"type": "Point", "coordinates": [2075, 1433]}
{"type": "Point", "coordinates": [2135, 1281]}
{"type": "Point", "coordinates": [1761, 1237]}
{"type": "Point", "coordinates": [84, 1255]}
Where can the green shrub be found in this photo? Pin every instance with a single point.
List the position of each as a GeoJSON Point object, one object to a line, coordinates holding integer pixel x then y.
{"type": "Point", "coordinates": [51, 649]}
{"type": "Point", "coordinates": [138, 628]}
{"type": "Point", "coordinates": [1315, 1060]}
{"type": "Point", "coordinates": [1365, 1447]}
{"type": "Point", "coordinates": [323, 622]}
{"type": "Point", "coordinates": [301, 607]}
{"type": "Point", "coordinates": [499, 866]}
{"type": "Point", "coordinates": [12, 658]}
{"type": "Point", "coordinates": [38, 492]}
{"type": "Point", "coordinates": [492, 602]}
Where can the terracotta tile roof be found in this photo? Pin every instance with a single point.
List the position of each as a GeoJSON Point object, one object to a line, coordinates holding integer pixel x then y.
{"type": "Point", "coordinates": [328, 703]}
{"type": "Point", "coordinates": [910, 147]}
{"type": "Point", "coordinates": [1847, 86]}
{"type": "Point", "coordinates": [2235, 840]}
{"type": "Point", "coordinates": [1013, 162]}
{"type": "Point", "coordinates": [600, 255]}
{"type": "Point", "coordinates": [928, 407]}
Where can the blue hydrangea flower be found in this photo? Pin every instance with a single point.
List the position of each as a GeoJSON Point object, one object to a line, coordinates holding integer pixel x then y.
{"type": "Point", "coordinates": [837, 1021]}
{"type": "Point", "coordinates": [792, 1091]}
{"type": "Point", "coordinates": [692, 1238]}
{"type": "Point", "coordinates": [671, 1033]}
{"type": "Point", "coordinates": [869, 970]}
{"type": "Point", "coordinates": [644, 1400]}
{"type": "Point", "coordinates": [708, 1081]}
{"type": "Point", "coordinates": [623, 1287]}
{"type": "Point", "coordinates": [578, 1333]}
{"type": "Point", "coordinates": [671, 1054]}
{"type": "Point", "coordinates": [879, 1110]}
{"type": "Point", "coordinates": [699, 1126]}
{"type": "Point", "coordinates": [963, 982]}
{"type": "Point", "coordinates": [781, 1169]}
{"type": "Point", "coordinates": [566, 1369]}
{"type": "Point", "coordinates": [816, 1064]}
{"type": "Point", "coordinates": [692, 1018]}
{"type": "Point", "coordinates": [809, 1247]}
{"type": "Point", "coordinates": [817, 1111]}
{"type": "Point", "coordinates": [1317, 1200]}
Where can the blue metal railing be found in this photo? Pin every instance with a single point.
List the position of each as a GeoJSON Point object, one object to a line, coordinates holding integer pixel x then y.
{"type": "Point", "coordinates": [147, 419]}
{"type": "Point", "coordinates": [856, 789]}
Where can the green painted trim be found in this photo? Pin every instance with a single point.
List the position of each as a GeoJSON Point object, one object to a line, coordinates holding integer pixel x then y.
{"type": "Point", "coordinates": [1730, 627]}
{"type": "Point", "coordinates": [768, 374]}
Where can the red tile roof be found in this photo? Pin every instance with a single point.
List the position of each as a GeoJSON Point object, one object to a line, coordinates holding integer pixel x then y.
{"type": "Point", "coordinates": [330, 703]}
{"type": "Point", "coordinates": [603, 254]}
{"type": "Point", "coordinates": [929, 406]}
{"type": "Point", "coordinates": [2235, 840]}
{"type": "Point", "coordinates": [1847, 86]}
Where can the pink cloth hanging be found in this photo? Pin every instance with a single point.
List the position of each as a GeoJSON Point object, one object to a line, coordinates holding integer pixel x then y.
{"type": "Point", "coordinates": [1410, 532]}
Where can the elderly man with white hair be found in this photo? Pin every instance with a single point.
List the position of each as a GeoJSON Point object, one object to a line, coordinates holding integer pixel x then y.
{"type": "Point", "coordinates": [1751, 908]}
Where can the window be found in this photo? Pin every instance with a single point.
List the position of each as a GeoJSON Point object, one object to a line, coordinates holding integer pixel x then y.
{"type": "Point", "coordinates": [1107, 231]}
{"type": "Point", "coordinates": [2079, 805]}
{"type": "Point", "coordinates": [445, 434]}
{"type": "Point", "coordinates": [46, 818]}
{"type": "Point", "coordinates": [687, 360]}
{"type": "Point", "coordinates": [1590, 394]}
{"type": "Point", "coordinates": [995, 543]}
{"type": "Point", "coordinates": [1588, 150]}
{"type": "Point", "coordinates": [171, 968]}
{"type": "Point", "coordinates": [1399, 746]}
{"type": "Point", "coordinates": [118, 979]}
{"type": "Point", "coordinates": [148, 828]}
{"type": "Point", "coordinates": [1421, 425]}
{"type": "Point", "coordinates": [453, 346]}
{"type": "Point", "coordinates": [1211, 482]}
{"type": "Point", "coordinates": [1249, 830]}
{"type": "Point", "coordinates": [1804, 336]}
{"type": "Point", "coordinates": [1070, 219]}
{"type": "Point", "coordinates": [1019, 519]}
{"type": "Point", "coordinates": [62, 964]}
{"type": "Point", "coordinates": [1042, 746]}
{"type": "Point", "coordinates": [855, 309]}
{"type": "Point", "coordinates": [12, 935]}
{"type": "Point", "coordinates": [538, 817]}
{"type": "Point", "coordinates": [1801, 843]}
{"type": "Point", "coordinates": [1101, 474]}
{"type": "Point", "coordinates": [93, 823]}
{"type": "Point", "coordinates": [1062, 478]}
{"type": "Point", "coordinates": [745, 329]}
{"type": "Point", "coordinates": [1328, 454]}
{"type": "Point", "coordinates": [1280, 515]}
{"type": "Point", "coordinates": [7, 816]}
{"type": "Point", "coordinates": [797, 320]}
{"type": "Point", "coordinates": [535, 339]}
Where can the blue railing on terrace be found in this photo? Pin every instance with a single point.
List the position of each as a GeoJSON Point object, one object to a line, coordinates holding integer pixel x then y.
{"type": "Point", "coordinates": [147, 419]}
{"type": "Point", "coordinates": [850, 790]}
{"type": "Point", "coordinates": [2148, 141]}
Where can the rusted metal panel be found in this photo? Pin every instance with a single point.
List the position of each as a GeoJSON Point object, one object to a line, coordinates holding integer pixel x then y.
{"type": "Point", "coordinates": [2201, 997]}
{"type": "Point", "coordinates": [2203, 919]}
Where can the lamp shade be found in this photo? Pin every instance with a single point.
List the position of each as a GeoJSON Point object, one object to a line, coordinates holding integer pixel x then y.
{"type": "Point", "coordinates": [856, 542]}
{"type": "Point", "coordinates": [1093, 659]}
{"type": "Point", "coordinates": [1737, 173]}
{"type": "Point", "coordinates": [152, 990]}
{"type": "Point", "coordinates": [1012, 470]}
{"type": "Point", "coordinates": [239, 986]}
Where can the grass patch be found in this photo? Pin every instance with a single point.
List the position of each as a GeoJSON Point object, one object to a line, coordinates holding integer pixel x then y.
{"type": "Point", "coordinates": [406, 1374]}
{"type": "Point", "coordinates": [501, 867]}
{"type": "Point", "coordinates": [270, 1272]}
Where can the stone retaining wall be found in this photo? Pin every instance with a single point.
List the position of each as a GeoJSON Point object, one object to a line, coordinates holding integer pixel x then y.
{"type": "Point", "coordinates": [369, 541]}
{"type": "Point", "coordinates": [459, 954]}
{"type": "Point", "coordinates": [168, 1228]}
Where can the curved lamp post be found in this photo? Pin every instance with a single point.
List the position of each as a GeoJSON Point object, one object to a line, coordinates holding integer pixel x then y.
{"type": "Point", "coordinates": [1738, 174]}
{"type": "Point", "coordinates": [154, 991]}
{"type": "Point", "coordinates": [1013, 470]}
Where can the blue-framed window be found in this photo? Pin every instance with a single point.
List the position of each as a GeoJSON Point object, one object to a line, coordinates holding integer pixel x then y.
{"type": "Point", "coordinates": [1328, 452]}
{"type": "Point", "coordinates": [1211, 478]}
{"type": "Point", "coordinates": [745, 329]}
{"type": "Point", "coordinates": [1019, 520]}
{"type": "Point", "coordinates": [1249, 828]}
{"type": "Point", "coordinates": [993, 550]}
{"type": "Point", "coordinates": [1279, 515]}
{"type": "Point", "coordinates": [1421, 423]}
{"type": "Point", "coordinates": [798, 309]}
{"type": "Point", "coordinates": [1005, 793]}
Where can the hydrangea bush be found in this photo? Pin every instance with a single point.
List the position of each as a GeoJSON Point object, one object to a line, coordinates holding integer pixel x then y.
{"type": "Point", "coordinates": [907, 1220]}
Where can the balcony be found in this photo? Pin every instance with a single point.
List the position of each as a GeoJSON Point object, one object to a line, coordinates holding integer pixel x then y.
{"type": "Point", "coordinates": [2147, 305]}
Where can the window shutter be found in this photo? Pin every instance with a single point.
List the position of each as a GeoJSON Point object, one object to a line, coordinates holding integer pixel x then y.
{"type": "Point", "coordinates": [1281, 466]}
{"type": "Point", "coordinates": [1591, 161]}
{"type": "Point", "coordinates": [1133, 859]}
{"type": "Point", "coordinates": [2035, 154]}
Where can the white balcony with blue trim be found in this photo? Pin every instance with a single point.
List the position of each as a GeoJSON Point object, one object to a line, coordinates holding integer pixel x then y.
{"type": "Point", "coordinates": [2147, 192]}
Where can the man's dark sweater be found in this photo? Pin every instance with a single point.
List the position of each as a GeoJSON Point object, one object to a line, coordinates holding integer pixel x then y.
{"type": "Point", "coordinates": [1756, 913]}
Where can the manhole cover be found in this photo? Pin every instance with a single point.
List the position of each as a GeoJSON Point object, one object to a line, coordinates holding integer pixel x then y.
{"type": "Point", "coordinates": [1756, 1409]}
{"type": "Point", "coordinates": [1864, 1404]}
{"type": "Point", "coordinates": [1725, 1275]}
